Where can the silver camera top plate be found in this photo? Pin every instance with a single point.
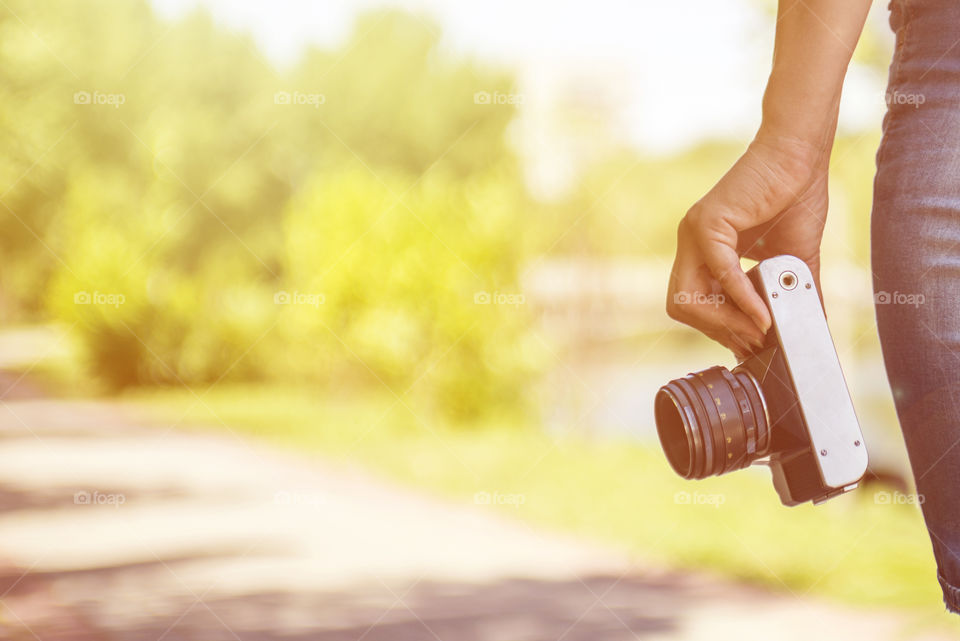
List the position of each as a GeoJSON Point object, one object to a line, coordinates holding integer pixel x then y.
{"type": "Point", "coordinates": [787, 286]}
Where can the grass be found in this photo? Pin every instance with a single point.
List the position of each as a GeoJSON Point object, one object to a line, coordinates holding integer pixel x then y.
{"type": "Point", "coordinates": [852, 549]}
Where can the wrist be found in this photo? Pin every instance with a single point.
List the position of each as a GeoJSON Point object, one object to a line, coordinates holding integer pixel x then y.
{"type": "Point", "coordinates": [796, 131]}
{"type": "Point", "coordinates": [799, 119]}
{"type": "Point", "coordinates": [797, 151]}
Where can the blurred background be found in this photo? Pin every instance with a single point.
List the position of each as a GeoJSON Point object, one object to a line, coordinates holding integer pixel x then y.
{"type": "Point", "coordinates": [343, 319]}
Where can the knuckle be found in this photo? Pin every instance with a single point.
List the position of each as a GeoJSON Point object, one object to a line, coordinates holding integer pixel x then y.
{"type": "Point", "coordinates": [674, 309]}
{"type": "Point", "coordinates": [711, 225]}
{"type": "Point", "coordinates": [680, 307]}
{"type": "Point", "coordinates": [694, 217]}
{"type": "Point", "coordinates": [708, 214]}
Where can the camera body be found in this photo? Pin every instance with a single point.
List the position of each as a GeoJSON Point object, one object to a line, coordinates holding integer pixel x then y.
{"type": "Point", "coordinates": [787, 405]}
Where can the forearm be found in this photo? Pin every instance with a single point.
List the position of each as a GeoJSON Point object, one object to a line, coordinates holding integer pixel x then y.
{"type": "Point", "coordinates": [815, 40]}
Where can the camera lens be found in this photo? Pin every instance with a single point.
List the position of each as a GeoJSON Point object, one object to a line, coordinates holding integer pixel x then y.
{"type": "Point", "coordinates": [712, 422]}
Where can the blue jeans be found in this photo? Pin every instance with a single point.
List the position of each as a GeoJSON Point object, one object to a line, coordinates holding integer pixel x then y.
{"type": "Point", "coordinates": [916, 261]}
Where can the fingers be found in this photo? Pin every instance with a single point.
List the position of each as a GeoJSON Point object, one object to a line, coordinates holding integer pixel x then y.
{"type": "Point", "coordinates": [733, 343]}
{"type": "Point", "coordinates": [695, 299]}
{"type": "Point", "coordinates": [722, 322]}
{"type": "Point", "coordinates": [717, 241]}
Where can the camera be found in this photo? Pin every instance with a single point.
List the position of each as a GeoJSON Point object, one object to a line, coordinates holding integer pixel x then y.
{"type": "Point", "coordinates": [787, 405]}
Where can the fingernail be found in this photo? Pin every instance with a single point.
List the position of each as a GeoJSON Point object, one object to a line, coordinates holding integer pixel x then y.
{"type": "Point", "coordinates": [765, 325]}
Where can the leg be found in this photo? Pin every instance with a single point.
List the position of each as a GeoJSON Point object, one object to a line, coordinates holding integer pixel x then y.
{"type": "Point", "coordinates": [916, 262]}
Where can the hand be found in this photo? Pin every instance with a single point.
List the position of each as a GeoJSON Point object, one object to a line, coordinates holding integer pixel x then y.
{"type": "Point", "coordinates": [772, 201]}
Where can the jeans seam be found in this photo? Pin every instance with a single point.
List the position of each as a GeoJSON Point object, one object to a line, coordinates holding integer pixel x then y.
{"type": "Point", "coordinates": [896, 74]}
{"type": "Point", "coordinates": [951, 594]}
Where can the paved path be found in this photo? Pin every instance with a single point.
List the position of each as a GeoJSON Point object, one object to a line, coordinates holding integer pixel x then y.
{"type": "Point", "coordinates": [112, 529]}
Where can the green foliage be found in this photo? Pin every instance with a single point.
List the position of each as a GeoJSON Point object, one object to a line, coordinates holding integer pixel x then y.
{"type": "Point", "coordinates": [383, 280]}
{"type": "Point", "coordinates": [166, 188]}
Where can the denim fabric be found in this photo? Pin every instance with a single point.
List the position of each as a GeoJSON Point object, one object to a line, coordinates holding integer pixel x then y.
{"type": "Point", "coordinates": [916, 261]}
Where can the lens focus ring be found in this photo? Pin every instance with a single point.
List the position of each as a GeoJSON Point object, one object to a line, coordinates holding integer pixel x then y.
{"type": "Point", "coordinates": [711, 422]}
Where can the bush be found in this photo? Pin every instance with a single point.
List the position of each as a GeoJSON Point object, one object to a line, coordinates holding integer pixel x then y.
{"type": "Point", "coordinates": [387, 287]}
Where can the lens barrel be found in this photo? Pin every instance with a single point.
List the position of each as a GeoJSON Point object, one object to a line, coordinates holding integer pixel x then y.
{"type": "Point", "coordinates": [712, 422]}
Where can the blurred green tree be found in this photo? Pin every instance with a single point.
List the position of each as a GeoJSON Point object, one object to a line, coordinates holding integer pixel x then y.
{"type": "Point", "coordinates": [163, 188]}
